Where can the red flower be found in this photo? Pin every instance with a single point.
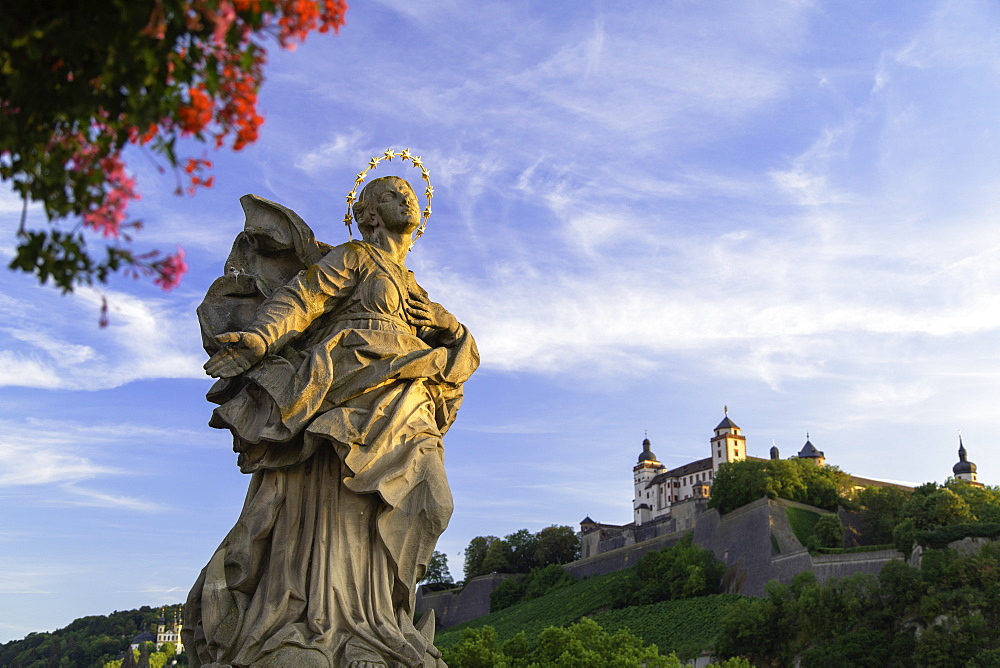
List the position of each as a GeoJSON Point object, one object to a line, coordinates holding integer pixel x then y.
{"type": "Point", "coordinates": [170, 270]}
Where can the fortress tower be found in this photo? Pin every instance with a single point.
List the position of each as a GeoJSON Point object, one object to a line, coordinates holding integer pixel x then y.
{"type": "Point", "coordinates": [642, 474]}
{"type": "Point", "coordinates": [809, 451]}
{"type": "Point", "coordinates": [728, 445]}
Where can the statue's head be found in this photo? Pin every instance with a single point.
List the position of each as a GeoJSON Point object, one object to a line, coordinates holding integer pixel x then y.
{"type": "Point", "coordinates": [387, 202]}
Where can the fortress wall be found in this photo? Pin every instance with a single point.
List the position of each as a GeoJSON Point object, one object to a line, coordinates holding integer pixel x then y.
{"type": "Point", "coordinates": [827, 566]}
{"type": "Point", "coordinates": [624, 557]}
{"type": "Point", "coordinates": [742, 541]}
{"type": "Point", "coordinates": [455, 606]}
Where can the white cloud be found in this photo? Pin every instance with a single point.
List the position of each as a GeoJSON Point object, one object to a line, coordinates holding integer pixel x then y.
{"type": "Point", "coordinates": [146, 339]}
{"type": "Point", "coordinates": [92, 498]}
{"type": "Point", "coordinates": [340, 149]}
{"type": "Point", "coordinates": [37, 464]}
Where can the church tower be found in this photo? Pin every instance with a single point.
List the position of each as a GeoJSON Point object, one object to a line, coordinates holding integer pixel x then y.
{"type": "Point", "coordinates": [810, 452]}
{"type": "Point", "coordinates": [964, 469]}
{"type": "Point", "coordinates": [728, 444]}
{"type": "Point", "coordinates": [642, 474]}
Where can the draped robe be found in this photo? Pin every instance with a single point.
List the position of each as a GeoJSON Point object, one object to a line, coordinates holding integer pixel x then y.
{"type": "Point", "coordinates": [340, 426]}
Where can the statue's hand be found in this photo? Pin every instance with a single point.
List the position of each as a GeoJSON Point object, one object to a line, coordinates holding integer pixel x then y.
{"type": "Point", "coordinates": [422, 312]}
{"type": "Point", "coordinates": [240, 351]}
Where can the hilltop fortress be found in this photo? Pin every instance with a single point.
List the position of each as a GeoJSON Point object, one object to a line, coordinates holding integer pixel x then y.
{"type": "Point", "coordinates": [670, 500]}
{"type": "Point", "coordinates": [755, 542]}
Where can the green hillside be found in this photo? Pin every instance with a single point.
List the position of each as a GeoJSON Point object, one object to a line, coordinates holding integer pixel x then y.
{"type": "Point", "coordinates": [88, 642]}
{"type": "Point", "coordinates": [686, 625]}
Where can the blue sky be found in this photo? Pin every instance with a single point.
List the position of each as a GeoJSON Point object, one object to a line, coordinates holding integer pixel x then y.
{"type": "Point", "coordinates": [643, 211]}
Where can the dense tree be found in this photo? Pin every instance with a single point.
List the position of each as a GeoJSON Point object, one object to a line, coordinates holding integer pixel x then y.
{"type": "Point", "coordinates": [947, 614]}
{"type": "Point", "coordinates": [475, 555]}
{"type": "Point", "coordinates": [81, 81]}
{"type": "Point", "coordinates": [497, 559]}
{"type": "Point", "coordinates": [437, 570]}
{"type": "Point", "coordinates": [881, 509]}
{"type": "Point", "coordinates": [739, 483]}
{"type": "Point", "coordinates": [932, 506]}
{"type": "Point", "coordinates": [523, 547]}
{"type": "Point", "coordinates": [582, 644]}
{"type": "Point", "coordinates": [683, 570]}
{"type": "Point", "coordinates": [89, 641]}
{"type": "Point", "coordinates": [521, 551]}
{"type": "Point", "coordinates": [983, 502]}
{"type": "Point", "coordinates": [830, 531]}
{"type": "Point", "coordinates": [557, 545]}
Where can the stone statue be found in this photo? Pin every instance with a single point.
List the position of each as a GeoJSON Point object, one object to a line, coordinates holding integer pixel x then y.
{"type": "Point", "coordinates": [338, 378]}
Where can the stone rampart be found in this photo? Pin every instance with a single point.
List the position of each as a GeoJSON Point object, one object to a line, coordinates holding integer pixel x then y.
{"type": "Point", "coordinates": [620, 558]}
{"type": "Point", "coordinates": [755, 542]}
{"type": "Point", "coordinates": [454, 606]}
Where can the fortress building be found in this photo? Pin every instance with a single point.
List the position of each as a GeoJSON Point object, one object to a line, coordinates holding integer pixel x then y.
{"type": "Point", "coordinates": [657, 490]}
{"type": "Point", "coordinates": [669, 500]}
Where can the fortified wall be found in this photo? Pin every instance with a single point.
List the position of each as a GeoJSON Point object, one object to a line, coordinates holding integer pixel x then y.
{"type": "Point", "coordinates": [755, 542]}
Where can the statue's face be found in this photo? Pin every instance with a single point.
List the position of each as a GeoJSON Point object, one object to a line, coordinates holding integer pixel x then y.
{"type": "Point", "coordinates": [398, 208]}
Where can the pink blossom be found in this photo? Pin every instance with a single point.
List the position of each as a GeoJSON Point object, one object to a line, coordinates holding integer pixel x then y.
{"type": "Point", "coordinates": [223, 20]}
{"type": "Point", "coordinates": [108, 216]}
{"type": "Point", "coordinates": [170, 270]}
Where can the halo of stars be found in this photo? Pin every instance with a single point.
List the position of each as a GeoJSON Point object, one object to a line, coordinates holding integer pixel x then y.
{"type": "Point", "coordinates": [372, 164]}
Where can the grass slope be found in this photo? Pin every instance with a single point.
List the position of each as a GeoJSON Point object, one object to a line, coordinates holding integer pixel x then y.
{"type": "Point", "coordinates": [687, 625]}
{"type": "Point", "coordinates": [803, 523]}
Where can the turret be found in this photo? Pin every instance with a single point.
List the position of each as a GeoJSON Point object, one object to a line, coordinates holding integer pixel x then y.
{"type": "Point", "coordinates": [642, 474]}
{"type": "Point", "coordinates": [809, 451]}
{"type": "Point", "coordinates": [964, 469]}
{"type": "Point", "coordinates": [728, 445]}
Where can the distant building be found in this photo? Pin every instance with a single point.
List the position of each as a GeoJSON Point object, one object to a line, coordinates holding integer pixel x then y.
{"type": "Point", "coordinates": [668, 500]}
{"type": "Point", "coordinates": [145, 636]}
{"type": "Point", "coordinates": [657, 489]}
{"type": "Point", "coordinates": [964, 469]}
{"type": "Point", "coordinates": [169, 633]}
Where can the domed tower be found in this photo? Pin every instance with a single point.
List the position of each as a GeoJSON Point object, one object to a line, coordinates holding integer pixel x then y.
{"type": "Point", "coordinates": [964, 469]}
{"type": "Point", "coordinates": [728, 445]}
{"type": "Point", "coordinates": [642, 474]}
{"type": "Point", "coordinates": [809, 451]}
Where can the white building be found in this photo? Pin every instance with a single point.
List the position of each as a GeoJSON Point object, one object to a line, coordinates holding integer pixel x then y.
{"type": "Point", "coordinates": [169, 633]}
{"type": "Point", "coordinates": [657, 489]}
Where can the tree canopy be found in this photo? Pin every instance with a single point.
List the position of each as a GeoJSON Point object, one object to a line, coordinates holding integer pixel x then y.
{"type": "Point", "coordinates": [437, 570]}
{"type": "Point", "coordinates": [88, 641]}
{"type": "Point", "coordinates": [521, 551]}
{"type": "Point", "coordinates": [683, 570]}
{"type": "Point", "coordinates": [945, 614]}
{"type": "Point", "coordinates": [739, 483]}
{"type": "Point", "coordinates": [81, 81]}
{"type": "Point", "coordinates": [584, 643]}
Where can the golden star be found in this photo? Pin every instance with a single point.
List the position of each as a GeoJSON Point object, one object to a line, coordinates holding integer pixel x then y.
{"type": "Point", "coordinates": [429, 192]}
{"type": "Point", "coordinates": [417, 162]}
{"type": "Point", "coordinates": [405, 154]}
{"type": "Point", "coordinates": [427, 211]}
{"type": "Point", "coordinates": [351, 198]}
{"type": "Point", "coordinates": [373, 163]}
{"type": "Point", "coordinates": [361, 177]}
{"type": "Point", "coordinates": [424, 173]}
{"type": "Point", "coordinates": [347, 219]}
{"type": "Point", "coordinates": [389, 154]}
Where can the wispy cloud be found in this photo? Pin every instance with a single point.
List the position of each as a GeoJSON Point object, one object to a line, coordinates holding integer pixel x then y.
{"type": "Point", "coordinates": [27, 464]}
{"type": "Point", "coordinates": [54, 341]}
{"type": "Point", "coordinates": [78, 496]}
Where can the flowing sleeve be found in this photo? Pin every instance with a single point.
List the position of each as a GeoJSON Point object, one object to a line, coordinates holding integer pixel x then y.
{"type": "Point", "coordinates": [317, 290]}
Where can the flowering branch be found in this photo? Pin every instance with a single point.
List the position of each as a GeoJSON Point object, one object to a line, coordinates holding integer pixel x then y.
{"type": "Point", "coordinates": [80, 83]}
